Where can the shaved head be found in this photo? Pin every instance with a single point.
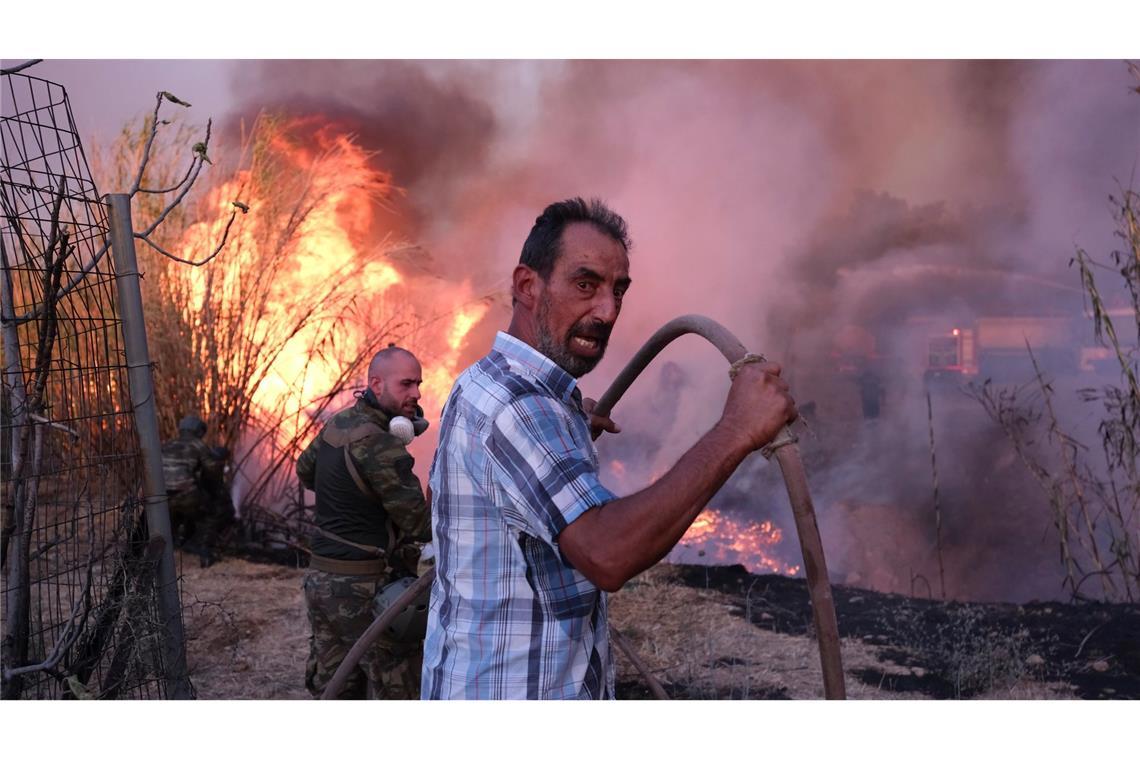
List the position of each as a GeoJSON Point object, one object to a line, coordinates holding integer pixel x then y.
{"type": "Point", "coordinates": [382, 362]}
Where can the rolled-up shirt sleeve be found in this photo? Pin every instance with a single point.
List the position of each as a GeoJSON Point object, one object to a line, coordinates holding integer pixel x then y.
{"type": "Point", "coordinates": [543, 462]}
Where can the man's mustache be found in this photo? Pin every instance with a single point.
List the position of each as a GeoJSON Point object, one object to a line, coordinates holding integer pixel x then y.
{"type": "Point", "coordinates": [598, 332]}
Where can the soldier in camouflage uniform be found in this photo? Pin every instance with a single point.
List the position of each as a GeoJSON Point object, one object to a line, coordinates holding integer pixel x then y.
{"type": "Point", "coordinates": [200, 505]}
{"type": "Point", "coordinates": [370, 515]}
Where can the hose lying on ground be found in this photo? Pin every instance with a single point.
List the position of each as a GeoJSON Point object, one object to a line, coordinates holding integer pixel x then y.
{"type": "Point", "coordinates": [795, 479]}
{"type": "Point", "coordinates": [655, 686]}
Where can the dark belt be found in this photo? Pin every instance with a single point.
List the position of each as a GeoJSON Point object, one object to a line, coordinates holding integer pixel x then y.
{"type": "Point", "coordinates": [347, 566]}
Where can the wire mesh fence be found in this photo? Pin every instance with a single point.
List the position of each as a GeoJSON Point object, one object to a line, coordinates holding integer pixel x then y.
{"type": "Point", "coordinates": [80, 597]}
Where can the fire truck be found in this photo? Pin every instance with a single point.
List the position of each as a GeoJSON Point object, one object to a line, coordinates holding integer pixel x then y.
{"type": "Point", "coordinates": [996, 348]}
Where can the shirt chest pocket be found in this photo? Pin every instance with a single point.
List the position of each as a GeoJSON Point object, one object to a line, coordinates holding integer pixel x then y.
{"type": "Point", "coordinates": [560, 590]}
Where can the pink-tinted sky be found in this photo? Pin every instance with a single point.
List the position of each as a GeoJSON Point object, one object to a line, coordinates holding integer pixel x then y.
{"type": "Point", "coordinates": [105, 95]}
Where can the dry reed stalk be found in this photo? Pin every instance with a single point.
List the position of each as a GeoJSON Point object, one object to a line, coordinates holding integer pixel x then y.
{"type": "Point", "coordinates": [1068, 447]}
{"type": "Point", "coordinates": [937, 507]}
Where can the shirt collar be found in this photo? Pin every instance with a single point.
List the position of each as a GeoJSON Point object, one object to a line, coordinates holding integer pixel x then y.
{"type": "Point", "coordinates": [531, 362]}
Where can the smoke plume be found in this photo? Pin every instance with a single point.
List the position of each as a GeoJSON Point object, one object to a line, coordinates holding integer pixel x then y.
{"type": "Point", "coordinates": [820, 210]}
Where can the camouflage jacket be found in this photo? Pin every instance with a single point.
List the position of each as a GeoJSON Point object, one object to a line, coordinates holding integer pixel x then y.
{"type": "Point", "coordinates": [188, 462]}
{"type": "Point", "coordinates": [384, 465]}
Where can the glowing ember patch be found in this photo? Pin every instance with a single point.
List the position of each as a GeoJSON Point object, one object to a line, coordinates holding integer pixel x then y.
{"type": "Point", "coordinates": [718, 539]}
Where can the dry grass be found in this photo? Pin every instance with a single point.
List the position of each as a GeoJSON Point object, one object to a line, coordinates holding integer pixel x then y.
{"type": "Point", "coordinates": [1028, 689]}
{"type": "Point", "coordinates": [691, 639]}
{"type": "Point", "coordinates": [248, 639]}
{"type": "Point", "coordinates": [246, 629]}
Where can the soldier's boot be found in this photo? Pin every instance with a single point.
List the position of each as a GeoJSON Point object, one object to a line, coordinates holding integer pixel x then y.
{"type": "Point", "coordinates": [200, 549]}
{"type": "Point", "coordinates": [208, 541]}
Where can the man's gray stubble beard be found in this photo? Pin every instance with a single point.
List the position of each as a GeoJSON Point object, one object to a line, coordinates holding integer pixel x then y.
{"type": "Point", "coordinates": [559, 353]}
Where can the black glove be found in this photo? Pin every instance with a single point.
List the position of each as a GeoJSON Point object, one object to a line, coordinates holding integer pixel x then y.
{"type": "Point", "coordinates": [419, 423]}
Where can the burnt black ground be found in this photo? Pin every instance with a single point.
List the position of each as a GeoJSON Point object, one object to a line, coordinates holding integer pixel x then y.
{"type": "Point", "coordinates": [951, 649]}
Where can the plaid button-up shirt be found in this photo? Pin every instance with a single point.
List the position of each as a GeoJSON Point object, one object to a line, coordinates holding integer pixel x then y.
{"type": "Point", "coordinates": [509, 618]}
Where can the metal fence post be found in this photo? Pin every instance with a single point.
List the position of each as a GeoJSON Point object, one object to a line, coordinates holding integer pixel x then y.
{"type": "Point", "coordinates": [17, 594]}
{"type": "Point", "coordinates": [146, 422]}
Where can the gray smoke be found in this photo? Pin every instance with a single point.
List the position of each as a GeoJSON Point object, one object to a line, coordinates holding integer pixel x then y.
{"type": "Point", "coordinates": [805, 205]}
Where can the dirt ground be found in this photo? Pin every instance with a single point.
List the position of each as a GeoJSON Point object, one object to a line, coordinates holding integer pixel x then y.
{"type": "Point", "coordinates": [721, 633]}
{"type": "Point", "coordinates": [247, 635]}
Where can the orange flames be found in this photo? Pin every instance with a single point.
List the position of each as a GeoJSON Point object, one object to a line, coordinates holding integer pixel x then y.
{"type": "Point", "coordinates": [310, 271]}
{"type": "Point", "coordinates": [440, 374]}
{"type": "Point", "coordinates": [716, 538]}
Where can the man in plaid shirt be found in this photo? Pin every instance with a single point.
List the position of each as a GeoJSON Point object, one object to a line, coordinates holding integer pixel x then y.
{"type": "Point", "coordinates": [527, 538]}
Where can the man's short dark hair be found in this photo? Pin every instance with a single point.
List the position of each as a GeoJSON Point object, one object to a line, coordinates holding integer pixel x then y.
{"type": "Point", "coordinates": [543, 244]}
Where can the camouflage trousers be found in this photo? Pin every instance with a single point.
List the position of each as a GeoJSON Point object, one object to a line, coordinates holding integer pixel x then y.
{"type": "Point", "coordinates": [197, 517]}
{"type": "Point", "coordinates": [340, 610]}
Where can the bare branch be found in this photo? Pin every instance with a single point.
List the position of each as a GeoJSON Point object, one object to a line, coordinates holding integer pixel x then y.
{"type": "Point", "coordinates": [154, 124]}
{"type": "Point", "coordinates": [196, 167]}
{"type": "Point", "coordinates": [175, 186]}
{"type": "Point", "coordinates": [56, 425]}
{"type": "Point", "coordinates": [179, 259]}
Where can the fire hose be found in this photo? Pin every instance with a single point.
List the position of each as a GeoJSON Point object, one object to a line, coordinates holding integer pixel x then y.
{"type": "Point", "coordinates": [782, 447]}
